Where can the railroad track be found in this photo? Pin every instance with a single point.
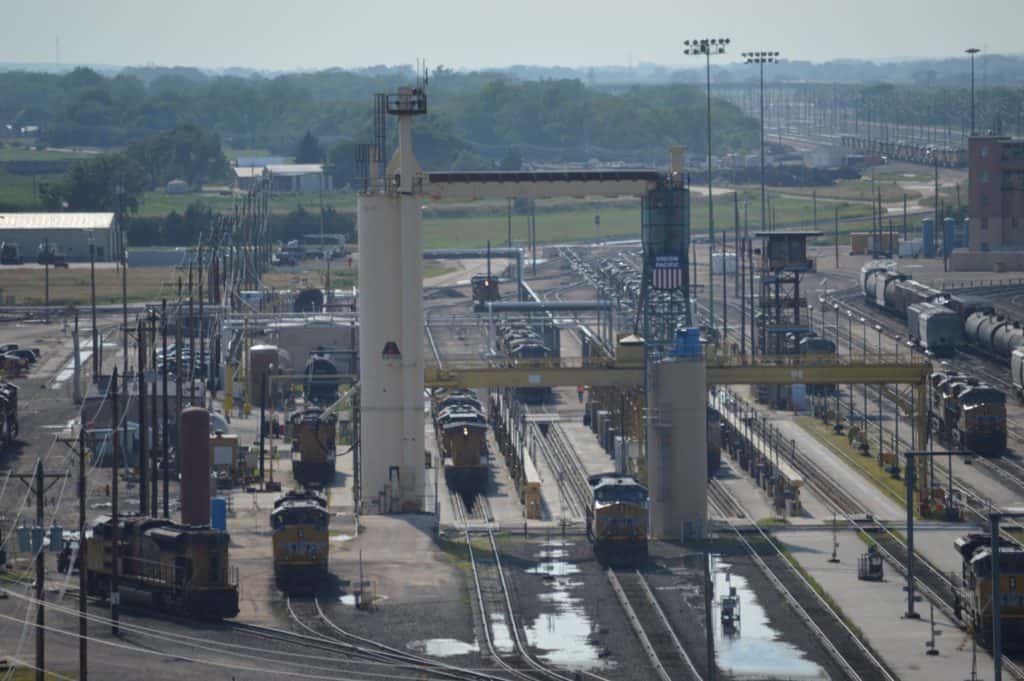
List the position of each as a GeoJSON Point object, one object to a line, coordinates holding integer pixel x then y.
{"type": "Point", "coordinates": [323, 634]}
{"type": "Point", "coordinates": [652, 626]}
{"type": "Point", "coordinates": [931, 582]}
{"type": "Point", "coordinates": [852, 655]}
{"type": "Point", "coordinates": [502, 637]}
{"type": "Point", "coordinates": [565, 465]}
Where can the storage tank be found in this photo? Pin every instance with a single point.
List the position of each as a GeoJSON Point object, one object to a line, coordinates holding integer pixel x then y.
{"type": "Point", "coordinates": [261, 357]}
{"type": "Point", "coordinates": [194, 462]}
{"type": "Point", "coordinates": [928, 238]}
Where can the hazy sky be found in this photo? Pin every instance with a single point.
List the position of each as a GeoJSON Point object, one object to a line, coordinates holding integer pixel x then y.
{"type": "Point", "coordinates": [288, 34]}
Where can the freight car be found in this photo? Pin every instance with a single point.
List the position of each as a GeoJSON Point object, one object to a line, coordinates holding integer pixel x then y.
{"type": "Point", "coordinates": [974, 599]}
{"type": "Point", "coordinates": [968, 414]}
{"type": "Point", "coordinates": [299, 523]}
{"type": "Point", "coordinates": [993, 334]}
{"type": "Point", "coordinates": [938, 329]}
{"type": "Point", "coordinates": [522, 343]}
{"type": "Point", "coordinates": [461, 429]}
{"type": "Point", "coordinates": [8, 414]}
{"type": "Point", "coordinates": [714, 428]}
{"type": "Point", "coordinates": [617, 518]}
{"type": "Point", "coordinates": [1017, 372]}
{"type": "Point", "coordinates": [313, 449]}
{"type": "Point", "coordinates": [321, 379]}
{"type": "Point", "coordinates": [183, 569]}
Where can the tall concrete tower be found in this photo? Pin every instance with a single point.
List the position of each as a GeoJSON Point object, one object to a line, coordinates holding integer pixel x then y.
{"type": "Point", "coordinates": [391, 325]}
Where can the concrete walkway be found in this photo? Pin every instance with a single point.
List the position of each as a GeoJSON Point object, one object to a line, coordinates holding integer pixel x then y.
{"type": "Point", "coordinates": [877, 608]}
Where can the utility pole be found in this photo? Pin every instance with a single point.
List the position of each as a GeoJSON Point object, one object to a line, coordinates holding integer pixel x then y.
{"type": "Point", "coordinates": [38, 479]}
{"type": "Point", "coordinates": [143, 461]}
{"type": "Point", "coordinates": [706, 47]}
{"type": "Point", "coordinates": [837, 236]}
{"type": "Point", "coordinates": [191, 342]}
{"type": "Point", "coordinates": [263, 422]}
{"type": "Point", "coordinates": [163, 428]}
{"type": "Point", "coordinates": [83, 624]}
{"type": "Point", "coordinates": [972, 51]}
{"type": "Point", "coordinates": [153, 496]}
{"type": "Point", "coordinates": [202, 329]}
{"type": "Point", "coordinates": [115, 530]}
{"type": "Point", "coordinates": [46, 280]}
{"type": "Point", "coordinates": [124, 312]}
{"type": "Point", "coordinates": [97, 356]}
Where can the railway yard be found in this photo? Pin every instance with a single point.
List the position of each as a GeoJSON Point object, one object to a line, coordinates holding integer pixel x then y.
{"type": "Point", "coordinates": [502, 581]}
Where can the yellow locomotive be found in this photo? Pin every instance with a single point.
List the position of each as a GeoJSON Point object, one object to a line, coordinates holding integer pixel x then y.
{"type": "Point", "coordinates": [617, 518]}
{"type": "Point", "coordinates": [485, 290]}
{"type": "Point", "coordinates": [184, 569]}
{"type": "Point", "coordinates": [975, 598]}
{"type": "Point", "coordinates": [968, 414]}
{"type": "Point", "coordinates": [461, 429]}
{"type": "Point", "coordinates": [299, 523]}
{"type": "Point", "coordinates": [313, 449]}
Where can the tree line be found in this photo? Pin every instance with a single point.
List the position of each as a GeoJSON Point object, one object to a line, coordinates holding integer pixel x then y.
{"type": "Point", "coordinates": [476, 116]}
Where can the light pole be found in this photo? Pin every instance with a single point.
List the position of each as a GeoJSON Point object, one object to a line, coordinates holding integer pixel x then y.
{"type": "Point", "coordinates": [933, 155]}
{"type": "Point", "coordinates": [972, 51]}
{"type": "Point", "coordinates": [762, 58]}
{"type": "Point", "coordinates": [706, 47]}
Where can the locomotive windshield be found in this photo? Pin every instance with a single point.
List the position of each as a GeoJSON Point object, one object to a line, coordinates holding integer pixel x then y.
{"type": "Point", "coordinates": [627, 494]}
{"type": "Point", "coordinates": [299, 516]}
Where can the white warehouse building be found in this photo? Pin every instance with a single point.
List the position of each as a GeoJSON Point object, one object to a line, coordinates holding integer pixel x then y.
{"type": "Point", "coordinates": [68, 233]}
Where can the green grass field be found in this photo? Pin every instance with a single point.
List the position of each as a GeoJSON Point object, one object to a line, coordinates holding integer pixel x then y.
{"type": "Point", "coordinates": [71, 286]}
{"type": "Point", "coordinates": [17, 192]}
{"type": "Point", "coordinates": [624, 222]}
{"type": "Point", "coordinates": [159, 203]}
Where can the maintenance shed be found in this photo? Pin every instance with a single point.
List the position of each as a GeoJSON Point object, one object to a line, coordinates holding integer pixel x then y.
{"type": "Point", "coordinates": [68, 233]}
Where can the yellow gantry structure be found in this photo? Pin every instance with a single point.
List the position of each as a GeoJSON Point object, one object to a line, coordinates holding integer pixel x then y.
{"type": "Point", "coordinates": [777, 370]}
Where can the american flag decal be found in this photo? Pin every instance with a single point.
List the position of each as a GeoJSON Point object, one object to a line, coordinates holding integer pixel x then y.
{"type": "Point", "coordinates": [668, 274]}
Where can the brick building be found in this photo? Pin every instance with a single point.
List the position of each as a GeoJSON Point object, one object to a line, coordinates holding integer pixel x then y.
{"type": "Point", "coordinates": [996, 205]}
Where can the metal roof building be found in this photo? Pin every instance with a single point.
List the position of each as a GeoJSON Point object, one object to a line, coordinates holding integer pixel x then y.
{"type": "Point", "coordinates": [293, 178]}
{"type": "Point", "coordinates": [69, 233]}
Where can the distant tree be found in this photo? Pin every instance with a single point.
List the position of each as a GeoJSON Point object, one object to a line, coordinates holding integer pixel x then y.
{"type": "Point", "coordinates": [107, 182]}
{"type": "Point", "coordinates": [342, 158]}
{"type": "Point", "coordinates": [513, 159]}
{"type": "Point", "coordinates": [186, 152]}
{"type": "Point", "coordinates": [309, 149]}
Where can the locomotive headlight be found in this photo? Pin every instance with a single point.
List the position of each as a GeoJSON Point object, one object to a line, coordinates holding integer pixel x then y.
{"type": "Point", "coordinates": [465, 431]}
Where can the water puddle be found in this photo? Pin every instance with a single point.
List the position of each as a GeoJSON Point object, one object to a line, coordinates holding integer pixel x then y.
{"type": "Point", "coordinates": [751, 647]}
{"type": "Point", "coordinates": [501, 637]}
{"type": "Point", "coordinates": [443, 647]}
{"type": "Point", "coordinates": [565, 633]}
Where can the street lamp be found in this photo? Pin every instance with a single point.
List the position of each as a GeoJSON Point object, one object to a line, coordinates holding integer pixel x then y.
{"type": "Point", "coordinates": [932, 154]}
{"type": "Point", "coordinates": [762, 58]}
{"type": "Point", "coordinates": [706, 47]}
{"type": "Point", "coordinates": [972, 51]}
